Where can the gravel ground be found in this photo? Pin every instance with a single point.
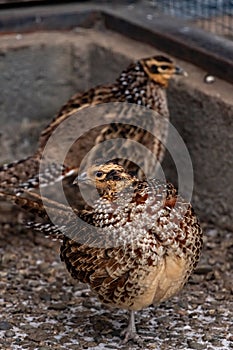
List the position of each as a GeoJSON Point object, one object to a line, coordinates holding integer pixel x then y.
{"type": "Point", "coordinates": [42, 308]}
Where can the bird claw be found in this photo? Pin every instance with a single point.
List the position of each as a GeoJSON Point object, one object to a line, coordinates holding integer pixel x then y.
{"type": "Point", "coordinates": [131, 335]}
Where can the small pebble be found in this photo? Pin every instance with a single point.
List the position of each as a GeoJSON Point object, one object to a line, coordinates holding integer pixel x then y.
{"type": "Point", "coordinates": [19, 36]}
{"type": "Point", "coordinates": [9, 334]}
{"type": "Point", "coordinates": [58, 306]}
{"type": "Point", "coordinates": [203, 270]}
{"type": "Point", "coordinates": [5, 326]}
{"type": "Point", "coordinates": [209, 79]}
{"type": "Point", "coordinates": [194, 345]}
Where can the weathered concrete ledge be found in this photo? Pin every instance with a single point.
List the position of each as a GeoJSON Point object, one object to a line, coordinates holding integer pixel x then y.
{"type": "Point", "coordinates": [138, 22]}
{"type": "Point", "coordinates": [40, 71]}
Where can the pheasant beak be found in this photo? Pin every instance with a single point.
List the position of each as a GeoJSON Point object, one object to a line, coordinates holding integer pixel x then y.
{"type": "Point", "coordinates": [83, 177]}
{"type": "Point", "coordinates": [180, 71]}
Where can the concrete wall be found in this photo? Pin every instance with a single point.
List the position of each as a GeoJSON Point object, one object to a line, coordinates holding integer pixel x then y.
{"type": "Point", "coordinates": [40, 71]}
{"type": "Point", "coordinates": [205, 121]}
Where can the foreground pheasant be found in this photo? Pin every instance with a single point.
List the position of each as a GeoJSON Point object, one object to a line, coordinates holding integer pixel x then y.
{"type": "Point", "coordinates": [137, 246]}
{"type": "Point", "coordinates": [143, 83]}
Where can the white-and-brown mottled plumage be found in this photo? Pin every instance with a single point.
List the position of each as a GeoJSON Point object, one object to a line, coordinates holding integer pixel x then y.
{"type": "Point", "coordinates": [138, 244]}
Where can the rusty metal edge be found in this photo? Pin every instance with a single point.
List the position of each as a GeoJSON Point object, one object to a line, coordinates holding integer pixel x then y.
{"type": "Point", "coordinates": [213, 54]}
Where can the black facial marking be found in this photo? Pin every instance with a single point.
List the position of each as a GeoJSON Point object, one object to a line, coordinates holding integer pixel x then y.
{"type": "Point", "coordinates": [153, 69]}
{"type": "Point", "coordinates": [113, 175]}
{"type": "Point", "coordinates": [164, 67]}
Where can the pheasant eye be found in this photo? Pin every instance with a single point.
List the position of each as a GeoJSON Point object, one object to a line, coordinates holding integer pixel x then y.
{"type": "Point", "coordinates": [99, 174]}
{"type": "Point", "coordinates": [164, 67]}
{"type": "Point", "coordinates": [154, 69]}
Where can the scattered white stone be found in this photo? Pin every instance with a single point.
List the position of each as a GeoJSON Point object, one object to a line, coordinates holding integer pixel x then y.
{"type": "Point", "coordinates": [209, 79]}
{"type": "Point", "coordinates": [19, 36]}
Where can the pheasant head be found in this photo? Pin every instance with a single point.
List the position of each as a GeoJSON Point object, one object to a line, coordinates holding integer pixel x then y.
{"type": "Point", "coordinates": [107, 178]}
{"type": "Point", "coordinates": [160, 69]}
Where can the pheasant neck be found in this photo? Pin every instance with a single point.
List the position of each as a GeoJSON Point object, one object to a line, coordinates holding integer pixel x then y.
{"type": "Point", "coordinates": [136, 87]}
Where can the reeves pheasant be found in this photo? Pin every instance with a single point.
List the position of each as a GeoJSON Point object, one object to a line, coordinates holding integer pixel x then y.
{"type": "Point", "coordinates": [135, 247]}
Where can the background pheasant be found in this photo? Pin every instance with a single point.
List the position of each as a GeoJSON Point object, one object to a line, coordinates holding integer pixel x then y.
{"type": "Point", "coordinates": [137, 245]}
{"type": "Point", "coordinates": [143, 83]}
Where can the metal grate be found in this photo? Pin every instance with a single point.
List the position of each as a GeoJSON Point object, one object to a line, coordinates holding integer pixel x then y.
{"type": "Point", "coordinates": [215, 16]}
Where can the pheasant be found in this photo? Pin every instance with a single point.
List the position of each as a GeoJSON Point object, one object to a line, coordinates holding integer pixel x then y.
{"type": "Point", "coordinates": [143, 83]}
{"type": "Point", "coordinates": [135, 247]}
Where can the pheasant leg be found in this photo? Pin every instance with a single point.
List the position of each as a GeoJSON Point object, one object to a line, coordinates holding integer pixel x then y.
{"type": "Point", "coordinates": [130, 333]}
